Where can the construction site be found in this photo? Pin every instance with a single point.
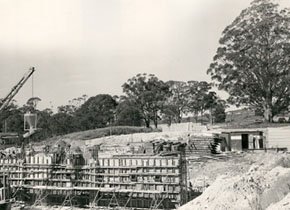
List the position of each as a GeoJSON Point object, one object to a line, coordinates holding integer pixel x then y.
{"type": "Point", "coordinates": [149, 174]}
{"type": "Point", "coordinates": [67, 176]}
{"type": "Point", "coordinates": [171, 169]}
{"type": "Point", "coordinates": [144, 105]}
{"type": "Point", "coordinates": [155, 176]}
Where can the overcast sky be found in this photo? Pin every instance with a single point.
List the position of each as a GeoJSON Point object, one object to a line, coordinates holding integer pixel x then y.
{"type": "Point", "coordinates": [93, 46]}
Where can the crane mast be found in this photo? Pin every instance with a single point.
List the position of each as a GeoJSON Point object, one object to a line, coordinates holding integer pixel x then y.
{"type": "Point", "coordinates": [16, 89]}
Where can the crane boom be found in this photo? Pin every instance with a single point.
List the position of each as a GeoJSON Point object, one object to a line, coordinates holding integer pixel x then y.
{"type": "Point", "coordinates": [16, 88]}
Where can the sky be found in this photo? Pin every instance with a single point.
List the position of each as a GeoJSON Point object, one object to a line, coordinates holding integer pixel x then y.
{"type": "Point", "coordinates": [93, 46]}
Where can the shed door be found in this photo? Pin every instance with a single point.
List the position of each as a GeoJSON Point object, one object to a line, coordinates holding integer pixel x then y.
{"type": "Point", "coordinates": [245, 141]}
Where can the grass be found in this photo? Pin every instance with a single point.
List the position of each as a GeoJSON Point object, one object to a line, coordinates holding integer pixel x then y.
{"type": "Point", "coordinates": [100, 132]}
{"type": "Point", "coordinates": [252, 125]}
{"type": "Point", "coordinates": [250, 122]}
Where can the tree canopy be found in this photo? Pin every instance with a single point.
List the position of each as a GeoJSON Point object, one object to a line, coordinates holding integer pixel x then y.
{"type": "Point", "coordinates": [149, 94]}
{"type": "Point", "coordinates": [187, 97]}
{"type": "Point", "coordinates": [199, 96]}
{"type": "Point", "coordinates": [147, 99]}
{"type": "Point", "coordinates": [178, 103]}
{"type": "Point", "coordinates": [127, 113]}
{"type": "Point", "coordinates": [252, 62]}
{"type": "Point", "coordinates": [218, 113]}
{"type": "Point", "coordinates": [96, 112]}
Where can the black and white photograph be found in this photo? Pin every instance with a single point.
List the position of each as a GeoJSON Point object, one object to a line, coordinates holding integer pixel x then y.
{"type": "Point", "coordinates": [145, 104]}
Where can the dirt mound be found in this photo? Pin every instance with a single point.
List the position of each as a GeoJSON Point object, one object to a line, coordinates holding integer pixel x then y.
{"type": "Point", "coordinates": [283, 204]}
{"type": "Point", "coordinates": [266, 182]}
{"type": "Point", "coordinates": [205, 172]}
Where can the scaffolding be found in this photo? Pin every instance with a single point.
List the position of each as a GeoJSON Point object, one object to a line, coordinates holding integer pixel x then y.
{"type": "Point", "coordinates": [120, 182]}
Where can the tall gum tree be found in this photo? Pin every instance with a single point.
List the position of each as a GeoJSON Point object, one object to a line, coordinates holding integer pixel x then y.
{"type": "Point", "coordinates": [178, 103]}
{"type": "Point", "coordinates": [198, 96]}
{"type": "Point", "coordinates": [149, 94]}
{"type": "Point", "coordinates": [252, 62]}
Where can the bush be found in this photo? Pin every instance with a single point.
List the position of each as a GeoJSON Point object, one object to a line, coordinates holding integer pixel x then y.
{"type": "Point", "coordinates": [281, 120]}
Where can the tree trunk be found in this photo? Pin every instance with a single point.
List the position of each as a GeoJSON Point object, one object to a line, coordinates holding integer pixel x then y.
{"type": "Point", "coordinates": [147, 123]}
{"type": "Point", "coordinates": [196, 117]}
{"type": "Point", "coordinates": [179, 117]}
{"type": "Point", "coordinates": [268, 117]}
{"type": "Point", "coordinates": [211, 116]}
{"type": "Point", "coordinates": [169, 121]}
{"type": "Point", "coordinates": [156, 123]}
{"type": "Point", "coordinates": [155, 120]}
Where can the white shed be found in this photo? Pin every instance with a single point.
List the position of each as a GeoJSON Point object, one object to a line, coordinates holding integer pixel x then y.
{"type": "Point", "coordinates": [278, 137]}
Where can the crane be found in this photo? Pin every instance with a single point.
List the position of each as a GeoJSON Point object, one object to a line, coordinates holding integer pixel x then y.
{"type": "Point", "coordinates": [5, 103]}
{"type": "Point", "coordinates": [16, 89]}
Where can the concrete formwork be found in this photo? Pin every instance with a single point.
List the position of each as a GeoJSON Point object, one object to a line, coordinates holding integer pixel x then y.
{"type": "Point", "coordinates": [138, 181]}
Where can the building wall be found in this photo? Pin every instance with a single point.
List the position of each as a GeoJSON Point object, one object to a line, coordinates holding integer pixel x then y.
{"type": "Point", "coordinates": [278, 137]}
{"type": "Point", "coordinates": [236, 142]}
{"type": "Point", "coordinates": [141, 176]}
{"type": "Point", "coordinates": [185, 127]}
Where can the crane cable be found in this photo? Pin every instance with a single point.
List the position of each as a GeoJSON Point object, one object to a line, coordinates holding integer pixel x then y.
{"type": "Point", "coordinates": [32, 85]}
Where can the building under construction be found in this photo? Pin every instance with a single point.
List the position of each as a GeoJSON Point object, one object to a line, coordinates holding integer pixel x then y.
{"type": "Point", "coordinates": [67, 176]}
{"type": "Point", "coordinates": [154, 177]}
